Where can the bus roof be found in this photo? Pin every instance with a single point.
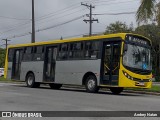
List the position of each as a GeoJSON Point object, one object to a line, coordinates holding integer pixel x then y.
{"type": "Point", "coordinates": [121, 35]}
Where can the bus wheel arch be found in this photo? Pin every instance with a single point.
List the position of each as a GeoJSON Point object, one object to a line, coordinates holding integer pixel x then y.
{"type": "Point", "coordinates": [90, 82]}
{"type": "Point", "coordinates": [30, 80]}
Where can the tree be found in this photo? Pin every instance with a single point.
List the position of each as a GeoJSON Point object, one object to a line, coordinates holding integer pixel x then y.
{"type": "Point", "coordinates": [118, 27]}
{"type": "Point", "coordinates": [2, 57]}
{"type": "Point", "coordinates": [157, 13]}
{"type": "Point", "coordinates": [151, 31]}
{"type": "Point", "coordinates": [148, 10]}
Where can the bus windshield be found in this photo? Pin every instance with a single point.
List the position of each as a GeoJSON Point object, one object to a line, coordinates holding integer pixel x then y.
{"type": "Point", "coordinates": [137, 55]}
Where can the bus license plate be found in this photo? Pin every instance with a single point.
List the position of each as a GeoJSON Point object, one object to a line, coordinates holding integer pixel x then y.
{"type": "Point", "coordinates": [141, 84]}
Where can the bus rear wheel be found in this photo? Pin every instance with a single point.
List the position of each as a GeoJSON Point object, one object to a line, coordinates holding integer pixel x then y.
{"type": "Point", "coordinates": [55, 86]}
{"type": "Point", "coordinates": [116, 90]}
{"type": "Point", "coordinates": [30, 81]}
{"type": "Point", "coordinates": [91, 84]}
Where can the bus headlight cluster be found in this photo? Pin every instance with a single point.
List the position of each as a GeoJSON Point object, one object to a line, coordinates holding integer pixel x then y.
{"type": "Point", "coordinates": [128, 76]}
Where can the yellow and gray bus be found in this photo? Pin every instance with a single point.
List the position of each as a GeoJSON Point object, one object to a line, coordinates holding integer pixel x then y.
{"type": "Point", "coordinates": [114, 61]}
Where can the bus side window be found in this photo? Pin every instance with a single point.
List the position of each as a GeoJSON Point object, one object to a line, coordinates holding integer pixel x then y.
{"type": "Point", "coordinates": [63, 52]}
{"type": "Point", "coordinates": [92, 50]}
{"type": "Point", "coordinates": [28, 54]}
{"type": "Point", "coordinates": [76, 50]}
{"type": "Point", "coordinates": [10, 55]}
{"type": "Point", "coordinates": [38, 53]}
{"type": "Point", "coordinates": [39, 49]}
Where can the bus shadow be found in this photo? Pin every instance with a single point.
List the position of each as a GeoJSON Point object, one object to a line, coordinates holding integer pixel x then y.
{"type": "Point", "coordinates": [82, 90]}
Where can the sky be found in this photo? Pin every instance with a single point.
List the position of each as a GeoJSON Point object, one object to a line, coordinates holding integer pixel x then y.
{"type": "Point", "coordinates": [59, 18]}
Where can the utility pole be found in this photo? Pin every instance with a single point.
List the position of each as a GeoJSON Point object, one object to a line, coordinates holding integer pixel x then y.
{"type": "Point", "coordinates": [6, 42]}
{"type": "Point", "coordinates": [91, 20]}
{"type": "Point", "coordinates": [33, 23]}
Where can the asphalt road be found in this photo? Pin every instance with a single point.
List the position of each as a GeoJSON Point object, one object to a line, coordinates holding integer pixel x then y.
{"type": "Point", "coordinates": [20, 98]}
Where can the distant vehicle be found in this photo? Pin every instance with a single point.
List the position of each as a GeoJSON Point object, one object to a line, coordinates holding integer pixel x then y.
{"type": "Point", "coordinates": [1, 72]}
{"type": "Point", "coordinates": [114, 61]}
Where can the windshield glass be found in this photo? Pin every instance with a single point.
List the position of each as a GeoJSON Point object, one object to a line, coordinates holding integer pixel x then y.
{"type": "Point", "coordinates": [138, 57]}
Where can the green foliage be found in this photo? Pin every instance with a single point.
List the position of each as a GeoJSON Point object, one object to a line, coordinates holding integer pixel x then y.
{"type": "Point", "coordinates": [155, 88]}
{"type": "Point", "coordinates": [2, 57]}
{"type": "Point", "coordinates": [146, 10]}
{"type": "Point", "coordinates": [157, 14]}
{"type": "Point", "coordinates": [2, 79]}
{"type": "Point", "coordinates": [118, 27]}
{"type": "Point", "coordinates": [150, 31]}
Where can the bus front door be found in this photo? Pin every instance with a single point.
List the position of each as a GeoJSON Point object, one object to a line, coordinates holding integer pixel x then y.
{"type": "Point", "coordinates": [110, 63]}
{"type": "Point", "coordinates": [50, 62]}
{"type": "Point", "coordinates": [16, 67]}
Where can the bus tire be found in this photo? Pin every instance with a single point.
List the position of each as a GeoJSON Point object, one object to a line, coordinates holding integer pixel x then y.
{"type": "Point", "coordinates": [116, 90]}
{"type": "Point", "coordinates": [30, 81]}
{"type": "Point", "coordinates": [91, 84]}
{"type": "Point", "coordinates": [55, 86]}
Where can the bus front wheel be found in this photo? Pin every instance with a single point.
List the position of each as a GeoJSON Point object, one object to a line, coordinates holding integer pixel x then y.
{"type": "Point", "coordinates": [30, 81]}
{"type": "Point", "coordinates": [91, 84]}
{"type": "Point", "coordinates": [55, 86]}
{"type": "Point", "coordinates": [116, 90]}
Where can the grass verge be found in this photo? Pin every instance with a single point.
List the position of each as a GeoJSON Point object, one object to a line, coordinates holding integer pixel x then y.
{"type": "Point", "coordinates": [155, 88]}
{"type": "Point", "coordinates": [2, 79]}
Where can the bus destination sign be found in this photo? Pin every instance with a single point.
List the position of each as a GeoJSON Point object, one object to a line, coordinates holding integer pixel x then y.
{"type": "Point", "coordinates": [137, 40]}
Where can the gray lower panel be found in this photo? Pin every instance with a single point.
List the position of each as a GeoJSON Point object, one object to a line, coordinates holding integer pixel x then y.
{"type": "Point", "coordinates": [35, 67]}
{"type": "Point", "coordinates": [72, 72]}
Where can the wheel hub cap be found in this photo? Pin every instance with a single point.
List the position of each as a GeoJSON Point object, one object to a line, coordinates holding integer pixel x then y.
{"type": "Point", "coordinates": [30, 80]}
{"type": "Point", "coordinates": [91, 84]}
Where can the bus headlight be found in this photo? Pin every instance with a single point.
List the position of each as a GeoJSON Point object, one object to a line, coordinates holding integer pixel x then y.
{"type": "Point", "coordinates": [128, 76]}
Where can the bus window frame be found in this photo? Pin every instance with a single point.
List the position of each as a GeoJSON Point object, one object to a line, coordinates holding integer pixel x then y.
{"type": "Point", "coordinates": [11, 58]}
{"type": "Point", "coordinates": [73, 50]}
{"type": "Point", "coordinates": [82, 50]}
{"type": "Point", "coordinates": [38, 56]}
{"type": "Point", "coordinates": [26, 53]}
{"type": "Point", "coordinates": [60, 51]}
{"type": "Point", "coordinates": [93, 50]}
